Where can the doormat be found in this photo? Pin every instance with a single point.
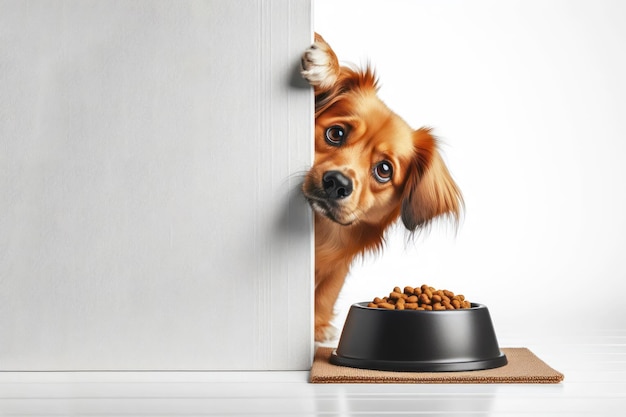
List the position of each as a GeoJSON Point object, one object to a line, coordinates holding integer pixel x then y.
{"type": "Point", "coordinates": [523, 368]}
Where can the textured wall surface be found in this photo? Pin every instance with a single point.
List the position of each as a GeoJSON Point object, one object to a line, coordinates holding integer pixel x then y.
{"type": "Point", "coordinates": [149, 154]}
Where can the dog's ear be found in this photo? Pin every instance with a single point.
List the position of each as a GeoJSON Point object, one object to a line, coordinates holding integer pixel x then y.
{"type": "Point", "coordinates": [429, 189]}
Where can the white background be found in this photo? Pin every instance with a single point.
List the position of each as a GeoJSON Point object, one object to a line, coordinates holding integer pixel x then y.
{"type": "Point", "coordinates": [529, 100]}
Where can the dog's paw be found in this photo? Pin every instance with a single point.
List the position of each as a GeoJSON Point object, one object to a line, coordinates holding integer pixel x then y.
{"type": "Point", "coordinates": [325, 333]}
{"type": "Point", "coordinates": [319, 64]}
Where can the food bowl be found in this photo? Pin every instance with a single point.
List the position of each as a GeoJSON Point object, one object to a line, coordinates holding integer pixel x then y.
{"type": "Point", "coordinates": [418, 341]}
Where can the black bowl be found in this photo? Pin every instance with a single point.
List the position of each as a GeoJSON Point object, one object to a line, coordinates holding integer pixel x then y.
{"type": "Point", "coordinates": [418, 341]}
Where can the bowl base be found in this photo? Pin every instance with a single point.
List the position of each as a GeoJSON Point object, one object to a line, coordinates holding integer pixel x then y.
{"type": "Point", "coordinates": [418, 366]}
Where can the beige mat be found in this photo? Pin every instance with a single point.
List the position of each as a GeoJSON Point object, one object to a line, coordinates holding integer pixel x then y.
{"type": "Point", "coordinates": [523, 367]}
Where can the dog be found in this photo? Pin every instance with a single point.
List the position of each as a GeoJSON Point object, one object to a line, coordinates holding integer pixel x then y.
{"type": "Point", "coordinates": [370, 168]}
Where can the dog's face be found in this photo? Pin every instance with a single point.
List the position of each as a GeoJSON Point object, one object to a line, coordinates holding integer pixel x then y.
{"type": "Point", "coordinates": [370, 166]}
{"type": "Point", "coordinates": [362, 154]}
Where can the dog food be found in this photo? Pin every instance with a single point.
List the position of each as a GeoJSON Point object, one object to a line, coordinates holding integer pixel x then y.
{"type": "Point", "coordinates": [421, 298]}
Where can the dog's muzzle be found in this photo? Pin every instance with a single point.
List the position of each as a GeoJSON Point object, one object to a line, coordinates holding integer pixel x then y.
{"type": "Point", "coordinates": [328, 197]}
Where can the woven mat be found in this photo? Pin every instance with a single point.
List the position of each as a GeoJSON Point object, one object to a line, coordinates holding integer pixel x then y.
{"type": "Point", "coordinates": [523, 367]}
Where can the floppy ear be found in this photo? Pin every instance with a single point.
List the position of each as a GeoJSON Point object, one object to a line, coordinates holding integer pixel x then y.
{"type": "Point", "coordinates": [429, 190]}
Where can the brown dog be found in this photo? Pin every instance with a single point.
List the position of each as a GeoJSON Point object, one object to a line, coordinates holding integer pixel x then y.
{"type": "Point", "coordinates": [370, 168]}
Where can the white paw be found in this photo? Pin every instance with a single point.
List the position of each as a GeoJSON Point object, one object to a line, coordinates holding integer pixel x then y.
{"type": "Point", "coordinates": [325, 333]}
{"type": "Point", "coordinates": [319, 66]}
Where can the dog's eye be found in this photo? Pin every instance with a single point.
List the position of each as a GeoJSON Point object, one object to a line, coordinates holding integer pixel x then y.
{"type": "Point", "coordinates": [335, 135]}
{"type": "Point", "coordinates": [383, 171]}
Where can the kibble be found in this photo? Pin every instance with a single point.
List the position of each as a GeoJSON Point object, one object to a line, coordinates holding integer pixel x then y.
{"type": "Point", "coordinates": [423, 297]}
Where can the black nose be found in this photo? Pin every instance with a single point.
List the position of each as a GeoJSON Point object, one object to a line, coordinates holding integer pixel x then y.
{"type": "Point", "coordinates": [336, 185]}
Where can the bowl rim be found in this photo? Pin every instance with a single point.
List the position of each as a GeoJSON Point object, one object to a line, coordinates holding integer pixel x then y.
{"type": "Point", "coordinates": [474, 307]}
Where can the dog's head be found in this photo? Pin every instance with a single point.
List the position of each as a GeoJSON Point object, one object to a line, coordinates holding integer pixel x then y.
{"type": "Point", "coordinates": [370, 166]}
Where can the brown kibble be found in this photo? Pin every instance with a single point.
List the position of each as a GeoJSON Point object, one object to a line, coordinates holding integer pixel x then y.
{"type": "Point", "coordinates": [395, 295]}
{"type": "Point", "coordinates": [421, 298]}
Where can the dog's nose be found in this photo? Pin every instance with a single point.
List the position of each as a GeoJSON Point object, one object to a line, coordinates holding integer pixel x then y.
{"type": "Point", "coordinates": [336, 185]}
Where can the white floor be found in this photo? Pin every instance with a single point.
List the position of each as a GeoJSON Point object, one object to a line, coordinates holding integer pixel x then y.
{"type": "Point", "coordinates": [594, 364]}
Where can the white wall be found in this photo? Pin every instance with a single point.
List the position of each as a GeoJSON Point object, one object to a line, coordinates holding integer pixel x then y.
{"type": "Point", "coordinates": [148, 190]}
{"type": "Point", "coordinates": [529, 98]}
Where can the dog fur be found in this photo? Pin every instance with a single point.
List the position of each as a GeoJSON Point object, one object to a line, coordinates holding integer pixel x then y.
{"type": "Point", "coordinates": [370, 168]}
